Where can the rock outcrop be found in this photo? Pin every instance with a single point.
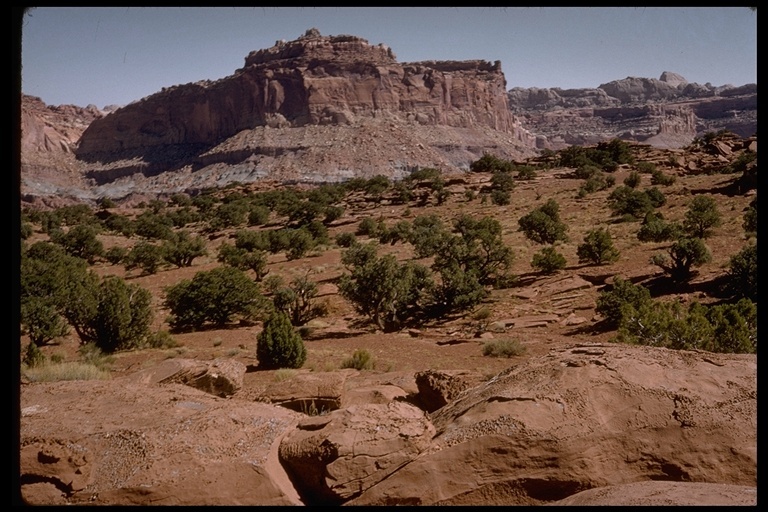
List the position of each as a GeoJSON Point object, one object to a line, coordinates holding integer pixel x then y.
{"type": "Point", "coordinates": [303, 89]}
{"type": "Point", "coordinates": [667, 113]}
{"type": "Point", "coordinates": [575, 426]}
{"type": "Point", "coordinates": [586, 417]}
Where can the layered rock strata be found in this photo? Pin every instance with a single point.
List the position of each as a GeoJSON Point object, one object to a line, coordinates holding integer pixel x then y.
{"type": "Point", "coordinates": [667, 113]}
{"type": "Point", "coordinates": [314, 81]}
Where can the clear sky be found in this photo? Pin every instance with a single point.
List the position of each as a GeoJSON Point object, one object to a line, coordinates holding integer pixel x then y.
{"type": "Point", "coordinates": [115, 55]}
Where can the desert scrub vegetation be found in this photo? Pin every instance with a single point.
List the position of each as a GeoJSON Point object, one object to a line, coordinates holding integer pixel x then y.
{"type": "Point", "coordinates": [543, 225]}
{"type": "Point", "coordinates": [59, 290]}
{"type": "Point", "coordinates": [70, 370]}
{"type": "Point", "coordinates": [701, 217]}
{"type": "Point", "coordinates": [728, 328]}
{"type": "Point", "coordinates": [548, 260]}
{"type": "Point", "coordinates": [597, 248]}
{"type": "Point", "coordinates": [93, 365]}
{"type": "Point", "coordinates": [503, 348]}
{"type": "Point", "coordinates": [639, 319]}
{"type": "Point", "coordinates": [278, 345]}
{"type": "Point", "coordinates": [215, 296]}
{"type": "Point", "coordinates": [606, 155]}
{"type": "Point", "coordinates": [680, 258]}
{"type": "Point", "coordinates": [360, 359]}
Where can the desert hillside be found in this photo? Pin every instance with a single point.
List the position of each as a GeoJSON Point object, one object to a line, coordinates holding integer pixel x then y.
{"type": "Point", "coordinates": [573, 328]}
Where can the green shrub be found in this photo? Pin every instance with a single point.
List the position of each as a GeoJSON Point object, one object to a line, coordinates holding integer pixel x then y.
{"type": "Point", "coordinates": [742, 273]}
{"type": "Point", "coordinates": [600, 181]}
{"type": "Point", "coordinates": [490, 163]}
{"type": "Point", "coordinates": [369, 227]}
{"type": "Point", "coordinates": [361, 360]}
{"type": "Point", "coordinates": [122, 317]}
{"type": "Point", "coordinates": [115, 255]}
{"type": "Point", "coordinates": [585, 172]}
{"type": "Point", "coordinates": [502, 181]}
{"type": "Point", "coordinates": [244, 259]}
{"type": "Point", "coordinates": [258, 215]}
{"type": "Point", "coordinates": [503, 348]}
{"type": "Point", "coordinates": [273, 282]}
{"type": "Point", "coordinates": [741, 163]}
{"type": "Point", "coordinates": [120, 224]}
{"type": "Point", "coordinates": [26, 230]}
{"type": "Point", "coordinates": [41, 318]}
{"type": "Point", "coordinates": [345, 239]}
{"type": "Point", "coordinates": [656, 197]}
{"type": "Point", "coordinates": [300, 243]}
{"type": "Point", "coordinates": [659, 178]}
{"type": "Point", "coordinates": [548, 260]}
{"type": "Point", "coordinates": [646, 167]}
{"type": "Point", "coordinates": [727, 328]}
{"type": "Point", "coordinates": [684, 254]}
{"type": "Point", "coordinates": [624, 200]}
{"type": "Point", "coordinates": [543, 225]}
{"type": "Point", "coordinates": [597, 248]}
{"type": "Point", "coordinates": [181, 248]}
{"type": "Point", "coordinates": [181, 217]}
{"type": "Point", "coordinates": [33, 356]}
{"type": "Point", "coordinates": [214, 296]}
{"type": "Point", "coordinates": [279, 345]}
{"type": "Point", "coordinates": [387, 292]}
{"type": "Point", "coordinates": [427, 235]}
{"type": "Point", "coordinates": [80, 241]}
{"type": "Point", "coordinates": [229, 214]}
{"type": "Point", "coordinates": [180, 199]}
{"type": "Point", "coordinates": [153, 226]}
{"type": "Point", "coordinates": [146, 256]}
{"type": "Point", "coordinates": [297, 301]}
{"type": "Point", "coordinates": [655, 229]}
{"type": "Point", "coordinates": [525, 172]}
{"type": "Point", "coordinates": [377, 185]}
{"type": "Point", "coordinates": [750, 218]}
{"type": "Point", "coordinates": [501, 197]}
{"type": "Point", "coordinates": [701, 217]}
{"type": "Point", "coordinates": [633, 180]}
{"type": "Point", "coordinates": [250, 240]}
{"type": "Point", "coordinates": [400, 232]}
{"type": "Point", "coordinates": [621, 295]}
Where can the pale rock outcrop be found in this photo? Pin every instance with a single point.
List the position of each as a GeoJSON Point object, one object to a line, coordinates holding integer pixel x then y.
{"type": "Point", "coordinates": [665, 113]}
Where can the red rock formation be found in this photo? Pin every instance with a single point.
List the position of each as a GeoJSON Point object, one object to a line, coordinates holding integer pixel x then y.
{"type": "Point", "coordinates": [313, 80]}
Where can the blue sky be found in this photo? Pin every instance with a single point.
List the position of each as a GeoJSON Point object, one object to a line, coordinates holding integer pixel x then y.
{"type": "Point", "coordinates": [112, 56]}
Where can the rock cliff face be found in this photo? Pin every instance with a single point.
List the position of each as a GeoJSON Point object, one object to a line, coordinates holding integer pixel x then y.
{"type": "Point", "coordinates": [668, 112]}
{"type": "Point", "coordinates": [314, 81]}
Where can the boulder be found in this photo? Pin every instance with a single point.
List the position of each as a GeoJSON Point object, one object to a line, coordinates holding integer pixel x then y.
{"type": "Point", "coordinates": [339, 455]}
